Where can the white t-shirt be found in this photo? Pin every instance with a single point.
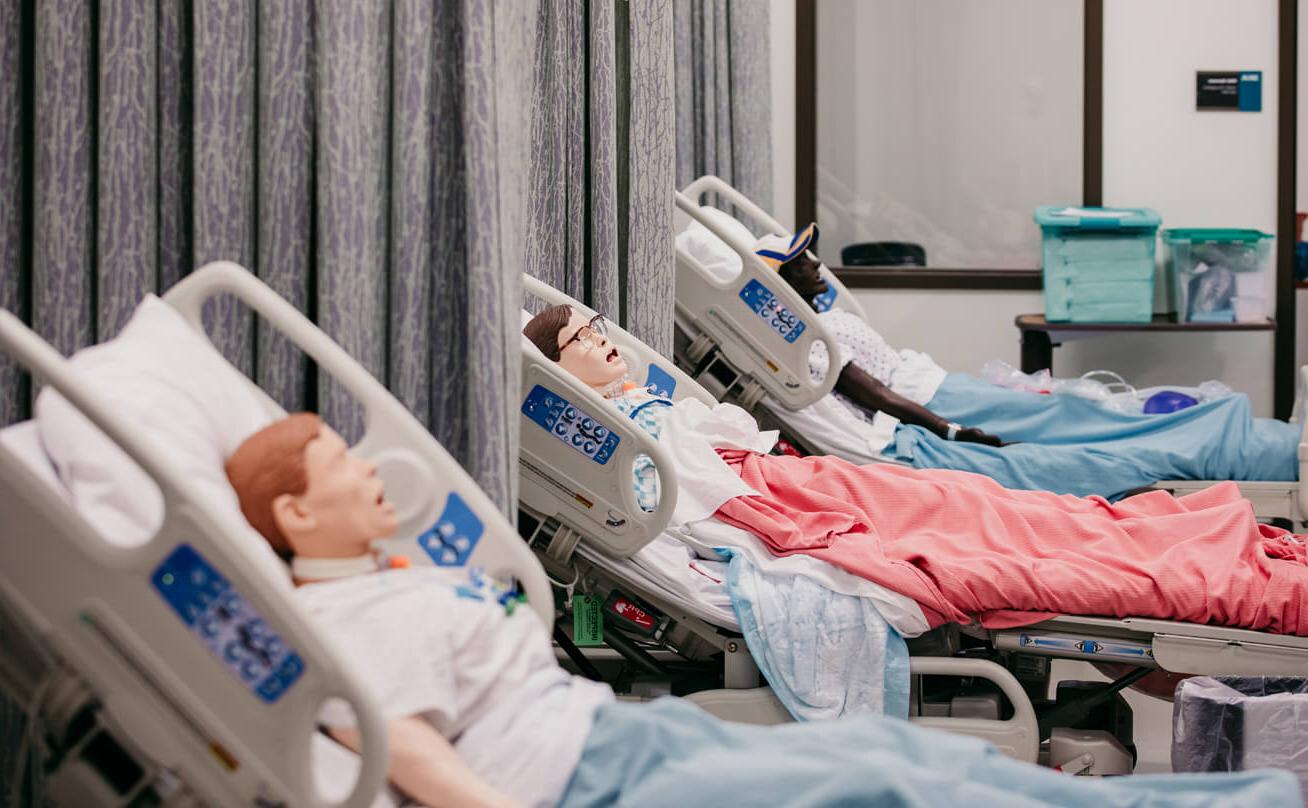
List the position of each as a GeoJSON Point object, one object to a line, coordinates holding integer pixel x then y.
{"type": "Point", "coordinates": [486, 681]}
{"type": "Point", "coordinates": [909, 373]}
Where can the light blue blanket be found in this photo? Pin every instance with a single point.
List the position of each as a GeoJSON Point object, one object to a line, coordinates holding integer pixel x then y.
{"type": "Point", "coordinates": [824, 654]}
{"type": "Point", "coordinates": [1071, 445]}
{"type": "Point", "coordinates": [670, 752]}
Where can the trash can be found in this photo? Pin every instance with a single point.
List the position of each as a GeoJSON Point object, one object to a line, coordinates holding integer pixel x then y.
{"type": "Point", "coordinates": [1098, 263]}
{"type": "Point", "coordinates": [1235, 723]}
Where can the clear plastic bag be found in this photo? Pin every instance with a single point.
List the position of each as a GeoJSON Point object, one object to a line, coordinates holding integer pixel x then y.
{"type": "Point", "coordinates": [1236, 723]}
{"type": "Point", "coordinates": [1088, 386]}
{"type": "Point", "coordinates": [1104, 386]}
{"type": "Point", "coordinates": [1212, 289]}
{"type": "Point", "coordinates": [1133, 401]}
{"type": "Point", "coordinates": [1002, 374]}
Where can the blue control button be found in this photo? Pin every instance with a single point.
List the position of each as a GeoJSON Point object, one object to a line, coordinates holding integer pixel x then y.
{"type": "Point", "coordinates": [765, 304]}
{"type": "Point", "coordinates": [826, 300]}
{"type": "Point", "coordinates": [578, 429]}
{"type": "Point", "coordinates": [659, 382]}
{"type": "Point", "coordinates": [450, 541]}
{"type": "Point", "coordinates": [224, 622]}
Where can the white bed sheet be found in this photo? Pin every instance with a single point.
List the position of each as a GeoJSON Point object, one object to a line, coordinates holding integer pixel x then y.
{"type": "Point", "coordinates": [900, 611]}
{"type": "Point", "coordinates": [831, 428]}
{"type": "Point", "coordinates": [681, 565]}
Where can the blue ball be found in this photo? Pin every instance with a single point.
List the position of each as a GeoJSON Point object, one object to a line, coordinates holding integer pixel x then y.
{"type": "Point", "coordinates": [1168, 401]}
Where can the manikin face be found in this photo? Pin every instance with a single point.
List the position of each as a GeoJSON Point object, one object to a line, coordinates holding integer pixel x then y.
{"type": "Point", "coordinates": [344, 506]}
{"type": "Point", "coordinates": [805, 276]}
{"type": "Point", "coordinates": [592, 358]}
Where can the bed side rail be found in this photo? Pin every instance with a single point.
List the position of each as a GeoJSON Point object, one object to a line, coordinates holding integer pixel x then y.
{"type": "Point", "coordinates": [1018, 736]}
{"type": "Point", "coordinates": [577, 458]}
{"type": "Point", "coordinates": [838, 296]}
{"type": "Point", "coordinates": [647, 366]}
{"type": "Point", "coordinates": [762, 326]}
{"type": "Point", "coordinates": [1303, 443]}
{"type": "Point", "coordinates": [444, 516]}
{"type": "Point", "coordinates": [194, 652]}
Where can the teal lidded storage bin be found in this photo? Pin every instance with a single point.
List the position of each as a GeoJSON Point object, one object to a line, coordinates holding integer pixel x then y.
{"type": "Point", "coordinates": [1098, 263]}
{"type": "Point", "coordinates": [1219, 275]}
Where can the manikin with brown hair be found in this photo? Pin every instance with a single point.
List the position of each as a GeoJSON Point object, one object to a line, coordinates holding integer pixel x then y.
{"type": "Point", "coordinates": [479, 713]}
{"type": "Point", "coordinates": [320, 508]}
{"type": "Point", "coordinates": [317, 505]}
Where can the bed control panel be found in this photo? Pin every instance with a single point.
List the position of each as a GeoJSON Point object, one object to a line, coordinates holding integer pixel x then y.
{"type": "Point", "coordinates": [1086, 647]}
{"type": "Point", "coordinates": [227, 623]}
{"type": "Point", "coordinates": [570, 424]}
{"type": "Point", "coordinates": [765, 304]}
{"type": "Point", "coordinates": [826, 300]}
{"type": "Point", "coordinates": [659, 382]}
{"type": "Point", "coordinates": [455, 535]}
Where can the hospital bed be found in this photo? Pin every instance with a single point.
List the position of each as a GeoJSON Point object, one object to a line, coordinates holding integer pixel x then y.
{"type": "Point", "coordinates": [112, 649]}
{"type": "Point", "coordinates": [745, 366]}
{"type": "Point", "coordinates": [1004, 673]}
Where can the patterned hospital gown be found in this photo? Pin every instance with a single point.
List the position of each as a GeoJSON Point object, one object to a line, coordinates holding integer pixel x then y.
{"type": "Point", "coordinates": [648, 412]}
{"type": "Point", "coordinates": [909, 373]}
{"type": "Point", "coordinates": [859, 344]}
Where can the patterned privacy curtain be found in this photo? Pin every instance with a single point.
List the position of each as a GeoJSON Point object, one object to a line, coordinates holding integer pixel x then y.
{"type": "Point", "coordinates": [724, 94]}
{"type": "Point", "coordinates": [366, 159]}
{"type": "Point", "coordinates": [602, 169]}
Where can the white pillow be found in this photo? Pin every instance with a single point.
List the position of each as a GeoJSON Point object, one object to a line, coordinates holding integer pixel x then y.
{"type": "Point", "coordinates": [24, 440]}
{"type": "Point", "coordinates": [722, 262]}
{"type": "Point", "coordinates": [172, 385]}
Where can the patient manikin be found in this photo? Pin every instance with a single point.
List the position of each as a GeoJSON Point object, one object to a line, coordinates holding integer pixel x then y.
{"type": "Point", "coordinates": [1068, 444]}
{"type": "Point", "coordinates": [874, 377]}
{"type": "Point", "coordinates": [479, 713]}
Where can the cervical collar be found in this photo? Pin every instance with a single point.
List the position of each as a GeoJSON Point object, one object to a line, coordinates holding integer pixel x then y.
{"type": "Point", "coordinates": [617, 389]}
{"type": "Point", "coordinates": [324, 569]}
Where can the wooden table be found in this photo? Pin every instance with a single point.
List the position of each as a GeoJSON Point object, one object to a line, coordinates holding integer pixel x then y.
{"type": "Point", "coordinates": [1039, 338]}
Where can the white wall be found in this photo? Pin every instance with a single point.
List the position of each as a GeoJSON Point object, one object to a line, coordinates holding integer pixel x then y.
{"type": "Point", "coordinates": [921, 320]}
{"type": "Point", "coordinates": [1197, 169]}
{"type": "Point", "coordinates": [783, 111]}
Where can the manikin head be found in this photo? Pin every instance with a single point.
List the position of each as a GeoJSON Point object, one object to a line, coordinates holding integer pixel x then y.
{"type": "Point", "coordinates": [795, 261]}
{"type": "Point", "coordinates": [579, 344]}
{"type": "Point", "coordinates": [306, 494]}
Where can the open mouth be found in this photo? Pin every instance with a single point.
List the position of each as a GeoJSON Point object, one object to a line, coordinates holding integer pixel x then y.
{"type": "Point", "coordinates": [612, 355]}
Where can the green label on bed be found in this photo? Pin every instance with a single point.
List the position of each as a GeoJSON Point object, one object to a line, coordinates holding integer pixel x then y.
{"type": "Point", "coordinates": [587, 621]}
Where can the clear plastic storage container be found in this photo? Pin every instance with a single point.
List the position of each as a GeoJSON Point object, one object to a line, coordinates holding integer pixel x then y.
{"type": "Point", "coordinates": [1219, 275]}
{"type": "Point", "coordinates": [1098, 263]}
{"type": "Point", "coordinates": [1237, 723]}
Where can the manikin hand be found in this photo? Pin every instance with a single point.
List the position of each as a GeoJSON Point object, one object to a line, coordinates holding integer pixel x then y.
{"type": "Point", "coordinates": [974, 435]}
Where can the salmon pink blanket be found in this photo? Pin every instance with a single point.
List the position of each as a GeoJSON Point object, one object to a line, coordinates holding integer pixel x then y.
{"type": "Point", "coordinates": [964, 547]}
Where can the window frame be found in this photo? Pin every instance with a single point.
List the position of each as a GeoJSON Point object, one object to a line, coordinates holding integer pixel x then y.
{"type": "Point", "coordinates": [942, 277]}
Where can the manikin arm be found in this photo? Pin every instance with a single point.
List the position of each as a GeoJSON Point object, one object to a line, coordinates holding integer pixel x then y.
{"type": "Point", "coordinates": [426, 768]}
{"type": "Point", "coordinates": [869, 393]}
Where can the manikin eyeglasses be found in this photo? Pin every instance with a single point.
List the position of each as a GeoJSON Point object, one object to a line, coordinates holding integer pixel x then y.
{"type": "Point", "coordinates": [591, 334]}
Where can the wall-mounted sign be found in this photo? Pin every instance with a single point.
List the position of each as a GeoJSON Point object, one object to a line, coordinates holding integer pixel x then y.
{"type": "Point", "coordinates": [1239, 90]}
